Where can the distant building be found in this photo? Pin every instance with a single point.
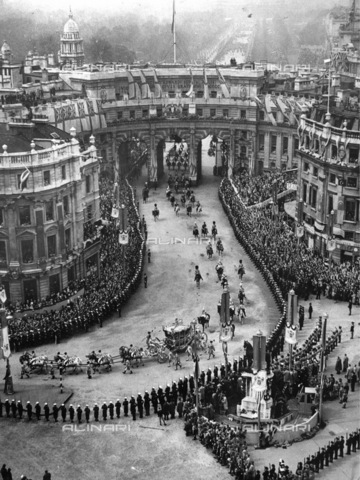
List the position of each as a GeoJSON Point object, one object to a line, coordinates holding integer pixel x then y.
{"type": "Point", "coordinates": [10, 73]}
{"type": "Point", "coordinates": [71, 55]}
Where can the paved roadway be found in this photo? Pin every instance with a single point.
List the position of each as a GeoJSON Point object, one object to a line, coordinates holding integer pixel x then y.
{"type": "Point", "coordinates": [171, 293]}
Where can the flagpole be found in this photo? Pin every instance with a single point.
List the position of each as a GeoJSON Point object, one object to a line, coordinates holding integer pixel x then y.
{"type": "Point", "coordinates": [174, 31]}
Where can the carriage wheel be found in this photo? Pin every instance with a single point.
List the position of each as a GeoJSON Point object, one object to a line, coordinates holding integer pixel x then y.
{"type": "Point", "coordinates": [162, 357]}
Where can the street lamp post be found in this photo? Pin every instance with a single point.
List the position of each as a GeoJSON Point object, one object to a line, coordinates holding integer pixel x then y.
{"type": "Point", "coordinates": [331, 229]}
{"type": "Point", "coordinates": [9, 386]}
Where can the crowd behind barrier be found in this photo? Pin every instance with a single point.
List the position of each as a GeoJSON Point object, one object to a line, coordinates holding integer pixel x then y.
{"type": "Point", "coordinates": [104, 292]}
{"type": "Point", "coordinates": [257, 189]}
{"type": "Point", "coordinates": [291, 262]}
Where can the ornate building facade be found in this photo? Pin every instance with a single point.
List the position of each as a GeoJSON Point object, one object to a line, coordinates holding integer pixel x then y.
{"type": "Point", "coordinates": [49, 201]}
{"type": "Point", "coordinates": [328, 188]}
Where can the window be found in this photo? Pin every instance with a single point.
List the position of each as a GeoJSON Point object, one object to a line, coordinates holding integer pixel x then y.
{"type": "Point", "coordinates": [51, 244]}
{"type": "Point", "coordinates": [273, 143]}
{"type": "Point", "coordinates": [304, 197]}
{"type": "Point", "coordinates": [244, 135]}
{"type": "Point", "coordinates": [88, 183]}
{"type": "Point", "coordinates": [225, 112]}
{"type": "Point", "coordinates": [315, 172]}
{"type": "Point", "coordinates": [63, 172]}
{"type": "Point", "coordinates": [306, 167]}
{"type": "Point", "coordinates": [145, 113]}
{"type": "Point", "coordinates": [285, 145]}
{"type": "Point", "coordinates": [199, 94]}
{"type": "Point", "coordinates": [89, 213]}
{"type": "Point", "coordinates": [119, 115]}
{"type": "Point", "coordinates": [243, 151]}
{"type": "Point", "coordinates": [333, 151]}
{"type": "Point", "coordinates": [22, 185]}
{"type": "Point", "coordinates": [212, 112]}
{"type": "Point", "coordinates": [350, 210]}
{"type": "Point", "coordinates": [66, 205]}
{"type": "Point", "coordinates": [132, 113]}
{"type": "Point", "coordinates": [332, 178]}
{"type": "Point", "coordinates": [3, 256]}
{"type": "Point", "coordinates": [262, 115]}
{"type": "Point", "coordinates": [313, 196]}
{"type": "Point", "coordinates": [261, 142]}
{"type": "Point", "coordinates": [213, 94]}
{"type": "Point", "coordinates": [353, 154]}
{"type": "Point", "coordinates": [243, 114]}
{"type": "Point", "coordinates": [296, 144]}
{"type": "Point", "coordinates": [199, 112]}
{"type": "Point", "coordinates": [46, 178]}
{"type": "Point", "coordinates": [27, 251]}
{"type": "Point", "coordinates": [24, 215]}
{"type": "Point", "coordinates": [351, 182]}
{"type": "Point", "coordinates": [1, 217]}
{"type": "Point", "coordinates": [330, 204]}
{"type": "Point", "coordinates": [49, 211]}
{"type": "Point", "coordinates": [68, 238]}
{"type": "Point", "coordinates": [349, 236]}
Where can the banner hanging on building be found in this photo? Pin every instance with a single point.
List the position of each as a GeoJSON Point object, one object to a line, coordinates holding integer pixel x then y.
{"type": "Point", "coordinates": [331, 245]}
{"type": "Point", "coordinates": [290, 334]}
{"type": "Point", "coordinates": [5, 345]}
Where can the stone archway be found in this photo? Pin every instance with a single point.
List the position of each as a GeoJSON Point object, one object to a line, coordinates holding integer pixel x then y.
{"type": "Point", "coordinates": [132, 151]}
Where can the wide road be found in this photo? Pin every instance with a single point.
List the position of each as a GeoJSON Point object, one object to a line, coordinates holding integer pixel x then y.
{"type": "Point", "coordinates": [142, 452]}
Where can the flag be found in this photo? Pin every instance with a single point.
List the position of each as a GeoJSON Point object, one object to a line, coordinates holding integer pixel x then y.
{"type": "Point", "coordinates": [259, 381]}
{"type": "Point", "coordinates": [115, 212]}
{"type": "Point", "coordinates": [191, 90]}
{"type": "Point", "coordinates": [158, 89]}
{"type": "Point", "coordinates": [223, 85]}
{"type": "Point", "coordinates": [145, 89]}
{"type": "Point", "coordinates": [206, 87]}
{"type": "Point", "coordinates": [131, 85]}
{"type": "Point", "coordinates": [173, 18]}
{"type": "Point", "coordinates": [290, 334]}
{"type": "Point", "coordinates": [123, 238]}
{"type": "Point", "coordinates": [5, 338]}
{"type": "Point", "coordinates": [23, 177]}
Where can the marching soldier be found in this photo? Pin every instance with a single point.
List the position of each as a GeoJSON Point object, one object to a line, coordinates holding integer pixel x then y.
{"type": "Point", "coordinates": [46, 411]}
{"type": "Point", "coordinates": [79, 413]}
{"type": "Point", "coordinates": [87, 413]}
{"type": "Point", "coordinates": [154, 400]}
{"type": "Point", "coordinates": [37, 410]}
{"type": "Point", "coordinates": [96, 412]}
{"type": "Point", "coordinates": [71, 413]}
{"type": "Point", "coordinates": [126, 407]}
{"type": "Point", "coordinates": [20, 409]}
{"type": "Point", "coordinates": [140, 405]}
{"type": "Point", "coordinates": [117, 408]}
{"type": "Point", "coordinates": [111, 408]}
{"type": "Point", "coordinates": [104, 411]}
{"type": "Point", "coordinates": [133, 407]}
{"type": "Point", "coordinates": [147, 403]}
{"type": "Point", "coordinates": [55, 411]}
{"type": "Point", "coordinates": [63, 411]}
{"type": "Point", "coordinates": [341, 446]}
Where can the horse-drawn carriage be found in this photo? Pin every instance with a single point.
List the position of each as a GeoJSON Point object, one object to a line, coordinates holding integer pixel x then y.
{"type": "Point", "coordinates": [179, 337]}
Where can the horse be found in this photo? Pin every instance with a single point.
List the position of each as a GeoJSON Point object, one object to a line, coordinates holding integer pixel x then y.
{"type": "Point", "coordinates": [214, 232]}
{"type": "Point", "coordinates": [106, 361]}
{"type": "Point", "coordinates": [25, 358]}
{"type": "Point", "coordinates": [219, 270]}
{"type": "Point", "coordinates": [219, 248]}
{"type": "Point", "coordinates": [145, 194]}
{"type": "Point", "coordinates": [209, 251]}
{"type": "Point", "coordinates": [40, 362]}
{"type": "Point", "coordinates": [204, 230]}
{"type": "Point", "coordinates": [249, 353]}
{"type": "Point", "coordinates": [156, 213]}
{"type": "Point", "coordinates": [133, 353]}
{"type": "Point", "coordinates": [204, 320]}
{"type": "Point", "coordinates": [196, 231]}
{"type": "Point", "coordinates": [73, 362]}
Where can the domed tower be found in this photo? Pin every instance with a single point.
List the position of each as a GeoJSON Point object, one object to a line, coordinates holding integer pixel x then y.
{"type": "Point", "coordinates": [71, 46]}
{"type": "Point", "coordinates": [6, 52]}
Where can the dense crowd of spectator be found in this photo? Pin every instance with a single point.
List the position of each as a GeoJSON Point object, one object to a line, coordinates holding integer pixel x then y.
{"type": "Point", "coordinates": [257, 189]}
{"type": "Point", "coordinates": [292, 263]}
{"type": "Point", "coordinates": [104, 291]}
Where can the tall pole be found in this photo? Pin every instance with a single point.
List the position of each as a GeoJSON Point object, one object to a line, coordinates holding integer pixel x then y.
{"type": "Point", "coordinates": [9, 386]}
{"type": "Point", "coordinates": [322, 365]}
{"type": "Point", "coordinates": [174, 31]}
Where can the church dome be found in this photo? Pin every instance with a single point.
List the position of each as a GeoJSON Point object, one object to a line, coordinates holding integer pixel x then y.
{"type": "Point", "coordinates": [71, 26]}
{"type": "Point", "coordinates": [5, 49]}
